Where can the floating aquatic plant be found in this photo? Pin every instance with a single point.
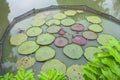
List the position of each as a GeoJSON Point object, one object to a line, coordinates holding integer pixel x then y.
{"type": "Point", "coordinates": [52, 74]}
{"type": "Point", "coordinates": [18, 39]}
{"type": "Point", "coordinates": [73, 51]}
{"type": "Point", "coordinates": [44, 53]}
{"type": "Point", "coordinates": [60, 41]}
{"type": "Point", "coordinates": [90, 35]}
{"type": "Point", "coordinates": [28, 47]}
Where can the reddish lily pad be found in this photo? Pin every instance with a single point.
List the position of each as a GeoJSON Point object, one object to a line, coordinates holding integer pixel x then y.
{"type": "Point", "coordinates": [90, 35]}
{"type": "Point", "coordinates": [77, 27]}
{"type": "Point", "coordinates": [79, 40]}
{"type": "Point", "coordinates": [60, 41]}
{"type": "Point", "coordinates": [62, 32]}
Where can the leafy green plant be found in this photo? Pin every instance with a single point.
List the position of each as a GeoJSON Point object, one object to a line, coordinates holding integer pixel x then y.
{"type": "Point", "coordinates": [51, 74]}
{"type": "Point", "coordinates": [104, 65]}
{"type": "Point", "coordinates": [22, 74]}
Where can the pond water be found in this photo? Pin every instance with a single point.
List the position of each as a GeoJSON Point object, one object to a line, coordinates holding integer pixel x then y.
{"type": "Point", "coordinates": [12, 8]}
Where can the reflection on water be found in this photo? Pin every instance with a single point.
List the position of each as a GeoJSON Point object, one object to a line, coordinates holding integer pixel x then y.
{"type": "Point", "coordinates": [4, 10]}
{"type": "Point", "coordinates": [116, 8]}
{"type": "Point", "coordinates": [95, 4]}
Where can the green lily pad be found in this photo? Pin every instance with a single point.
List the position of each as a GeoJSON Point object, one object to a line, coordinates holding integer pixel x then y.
{"type": "Point", "coordinates": [45, 39]}
{"type": "Point", "coordinates": [59, 16]}
{"type": "Point", "coordinates": [67, 22]}
{"type": "Point", "coordinates": [70, 12]}
{"type": "Point", "coordinates": [44, 53]}
{"type": "Point", "coordinates": [39, 16]}
{"type": "Point", "coordinates": [94, 19]}
{"type": "Point", "coordinates": [53, 29]}
{"type": "Point", "coordinates": [90, 51]}
{"type": "Point", "coordinates": [74, 72]}
{"type": "Point", "coordinates": [80, 11]}
{"type": "Point", "coordinates": [28, 47]}
{"type": "Point", "coordinates": [90, 35]}
{"type": "Point", "coordinates": [102, 38]}
{"type": "Point", "coordinates": [33, 31]}
{"type": "Point", "coordinates": [53, 22]}
{"type": "Point", "coordinates": [95, 27]}
{"type": "Point", "coordinates": [73, 51]}
{"type": "Point", "coordinates": [54, 64]}
{"type": "Point", "coordinates": [38, 22]}
{"type": "Point", "coordinates": [18, 39]}
{"type": "Point", "coordinates": [25, 62]}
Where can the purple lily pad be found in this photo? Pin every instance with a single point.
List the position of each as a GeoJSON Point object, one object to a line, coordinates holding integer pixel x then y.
{"type": "Point", "coordinates": [79, 40]}
{"type": "Point", "coordinates": [60, 41]}
{"type": "Point", "coordinates": [77, 27]}
{"type": "Point", "coordinates": [61, 32]}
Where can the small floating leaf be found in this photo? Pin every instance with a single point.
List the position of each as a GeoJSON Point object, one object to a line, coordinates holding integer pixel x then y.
{"type": "Point", "coordinates": [25, 62]}
{"type": "Point", "coordinates": [54, 64]}
{"type": "Point", "coordinates": [73, 51]}
{"type": "Point", "coordinates": [90, 51]}
{"type": "Point", "coordinates": [37, 22]}
{"type": "Point", "coordinates": [102, 38]}
{"type": "Point", "coordinates": [70, 12]}
{"type": "Point", "coordinates": [53, 29]}
{"type": "Point", "coordinates": [95, 27]}
{"type": "Point", "coordinates": [33, 31]}
{"type": "Point", "coordinates": [18, 39]}
{"type": "Point", "coordinates": [67, 22]}
{"type": "Point", "coordinates": [74, 72]}
{"type": "Point", "coordinates": [59, 16]}
{"type": "Point", "coordinates": [77, 27]}
{"type": "Point", "coordinates": [61, 32]}
{"type": "Point", "coordinates": [60, 41]}
{"type": "Point", "coordinates": [28, 47]}
{"type": "Point", "coordinates": [89, 35]}
{"type": "Point", "coordinates": [79, 40]}
{"type": "Point", "coordinates": [79, 11]}
{"type": "Point", "coordinates": [44, 53]}
{"type": "Point", "coordinates": [53, 22]}
{"type": "Point", "coordinates": [94, 19]}
{"type": "Point", "coordinates": [45, 39]}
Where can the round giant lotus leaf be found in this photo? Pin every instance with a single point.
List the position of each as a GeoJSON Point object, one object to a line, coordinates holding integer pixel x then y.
{"type": "Point", "coordinates": [18, 39]}
{"type": "Point", "coordinates": [45, 39]}
{"type": "Point", "coordinates": [73, 51]}
{"type": "Point", "coordinates": [44, 53]}
{"type": "Point", "coordinates": [28, 47]}
{"type": "Point", "coordinates": [54, 64]}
